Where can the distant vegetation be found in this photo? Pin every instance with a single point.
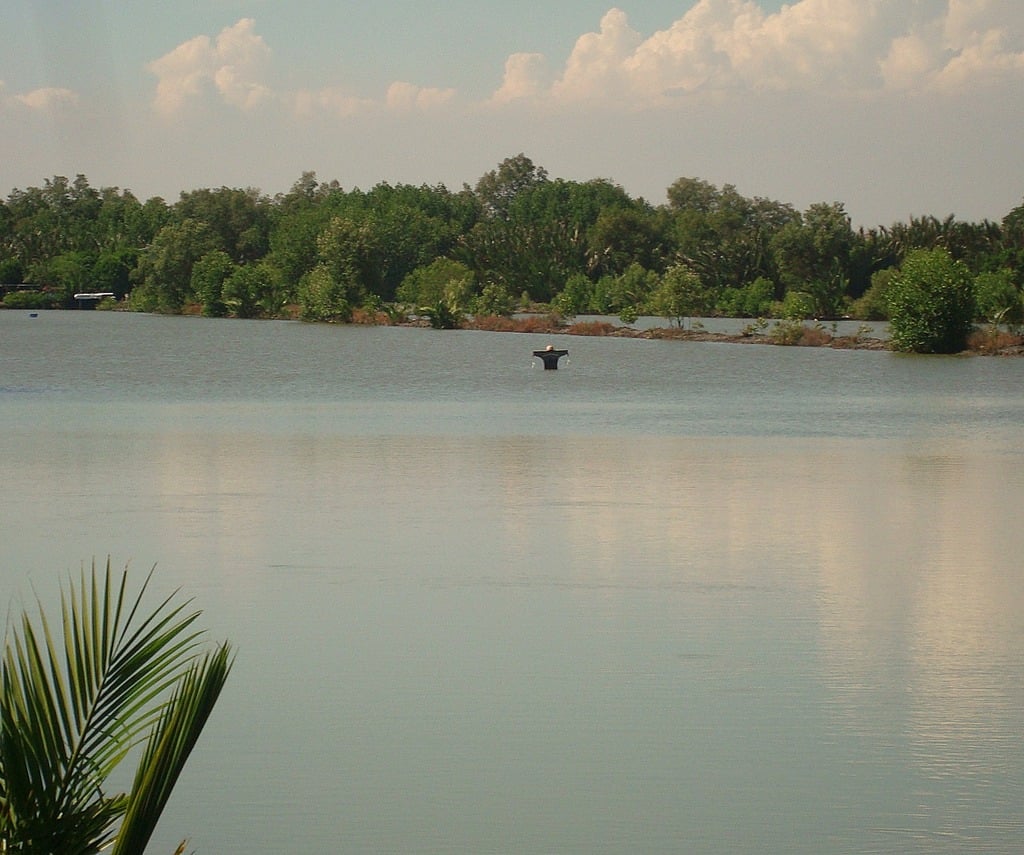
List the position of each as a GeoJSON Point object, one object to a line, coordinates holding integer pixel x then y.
{"type": "Point", "coordinates": [516, 240]}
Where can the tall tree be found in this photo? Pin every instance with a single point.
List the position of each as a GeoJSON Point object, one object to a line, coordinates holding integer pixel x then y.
{"type": "Point", "coordinates": [498, 188]}
{"type": "Point", "coordinates": [239, 218]}
{"type": "Point", "coordinates": [621, 236]}
{"type": "Point", "coordinates": [209, 274]}
{"type": "Point", "coordinates": [813, 255]}
{"type": "Point", "coordinates": [724, 236]}
{"type": "Point", "coordinates": [165, 268]}
{"type": "Point", "coordinates": [693, 194]}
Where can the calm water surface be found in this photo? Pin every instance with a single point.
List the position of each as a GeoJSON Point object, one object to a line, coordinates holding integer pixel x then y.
{"type": "Point", "coordinates": [670, 598]}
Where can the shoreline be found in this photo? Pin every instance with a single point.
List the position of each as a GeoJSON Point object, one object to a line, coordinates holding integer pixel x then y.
{"type": "Point", "coordinates": [982, 342]}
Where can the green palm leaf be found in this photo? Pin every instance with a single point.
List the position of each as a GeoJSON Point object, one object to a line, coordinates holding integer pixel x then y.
{"type": "Point", "coordinates": [71, 710]}
{"type": "Point", "coordinates": [168, 748]}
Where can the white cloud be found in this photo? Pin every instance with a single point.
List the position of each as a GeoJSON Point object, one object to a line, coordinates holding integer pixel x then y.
{"type": "Point", "coordinates": [401, 97]}
{"type": "Point", "coordinates": [833, 46]}
{"type": "Point", "coordinates": [526, 76]}
{"type": "Point", "coordinates": [717, 47]}
{"type": "Point", "coordinates": [983, 59]}
{"type": "Point", "coordinates": [910, 62]}
{"type": "Point", "coordinates": [966, 20]}
{"type": "Point", "coordinates": [407, 96]}
{"type": "Point", "coordinates": [42, 100]}
{"type": "Point", "coordinates": [327, 101]}
{"type": "Point", "coordinates": [597, 66]}
{"type": "Point", "coordinates": [231, 64]}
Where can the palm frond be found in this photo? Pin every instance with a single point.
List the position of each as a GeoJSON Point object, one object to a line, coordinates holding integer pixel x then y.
{"type": "Point", "coordinates": [72, 708]}
{"type": "Point", "coordinates": [169, 746]}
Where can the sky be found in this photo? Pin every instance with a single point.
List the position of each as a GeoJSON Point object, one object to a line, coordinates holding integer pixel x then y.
{"type": "Point", "coordinates": [896, 108]}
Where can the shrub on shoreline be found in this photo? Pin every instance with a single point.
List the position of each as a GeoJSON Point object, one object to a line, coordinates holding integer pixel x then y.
{"type": "Point", "coordinates": [30, 300]}
{"type": "Point", "coordinates": [931, 303]}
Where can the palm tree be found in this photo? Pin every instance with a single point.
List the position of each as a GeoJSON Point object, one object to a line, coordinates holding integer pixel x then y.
{"type": "Point", "coordinates": [120, 679]}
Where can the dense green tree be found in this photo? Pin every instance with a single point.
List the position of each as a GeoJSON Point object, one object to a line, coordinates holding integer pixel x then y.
{"type": "Point", "coordinates": [694, 195]}
{"type": "Point", "coordinates": [68, 234]}
{"type": "Point", "coordinates": [723, 236]}
{"type": "Point", "coordinates": [798, 306]}
{"type": "Point", "coordinates": [31, 300]}
{"type": "Point", "coordinates": [322, 297]}
{"type": "Point", "coordinates": [56, 218]}
{"type": "Point", "coordinates": [239, 218]}
{"type": "Point", "coordinates": [522, 256]}
{"type": "Point", "coordinates": [870, 252]}
{"type": "Point", "coordinates": [681, 295]}
{"type": "Point", "coordinates": [498, 188]}
{"type": "Point", "coordinates": [622, 235]}
{"type": "Point", "coordinates": [112, 271]}
{"type": "Point", "coordinates": [372, 240]}
{"type": "Point", "coordinates": [576, 297]}
{"type": "Point", "coordinates": [1013, 224]}
{"type": "Point", "coordinates": [165, 268]}
{"type": "Point", "coordinates": [117, 220]}
{"type": "Point", "coordinates": [813, 255]}
{"type": "Point", "coordinates": [1010, 253]}
{"type": "Point", "coordinates": [411, 227]}
{"type": "Point", "coordinates": [67, 274]}
{"type": "Point", "coordinates": [34, 233]}
{"type": "Point", "coordinates": [143, 224]}
{"type": "Point", "coordinates": [246, 290]}
{"type": "Point", "coordinates": [752, 301]}
{"type": "Point", "coordinates": [350, 250]}
{"type": "Point", "coordinates": [442, 279]}
{"type": "Point", "coordinates": [541, 238]}
{"type": "Point", "coordinates": [999, 298]}
{"type": "Point", "coordinates": [209, 274]}
{"type": "Point", "coordinates": [307, 192]}
{"type": "Point", "coordinates": [293, 241]}
{"type": "Point", "coordinates": [257, 290]}
{"type": "Point", "coordinates": [873, 305]}
{"type": "Point", "coordinates": [970, 243]}
{"type": "Point", "coordinates": [579, 204]}
{"type": "Point", "coordinates": [630, 289]}
{"type": "Point", "coordinates": [931, 303]}
{"type": "Point", "coordinates": [493, 299]}
{"type": "Point", "coordinates": [578, 246]}
{"type": "Point", "coordinates": [11, 271]}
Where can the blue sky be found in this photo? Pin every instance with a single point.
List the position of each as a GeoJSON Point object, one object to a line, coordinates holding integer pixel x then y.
{"type": "Point", "coordinates": [894, 107]}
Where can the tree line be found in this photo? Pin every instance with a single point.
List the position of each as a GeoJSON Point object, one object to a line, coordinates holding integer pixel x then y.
{"type": "Point", "coordinates": [518, 239]}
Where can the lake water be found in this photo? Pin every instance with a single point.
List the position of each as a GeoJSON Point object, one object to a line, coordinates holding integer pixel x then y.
{"type": "Point", "coordinates": [672, 598]}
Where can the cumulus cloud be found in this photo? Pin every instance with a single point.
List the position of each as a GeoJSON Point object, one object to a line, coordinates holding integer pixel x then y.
{"type": "Point", "coordinates": [984, 59]}
{"type": "Point", "coordinates": [825, 45]}
{"type": "Point", "coordinates": [526, 76]}
{"type": "Point", "coordinates": [48, 98]}
{"type": "Point", "coordinates": [407, 96]}
{"type": "Point", "coordinates": [911, 60]}
{"type": "Point", "coordinates": [42, 100]}
{"type": "Point", "coordinates": [307, 103]}
{"type": "Point", "coordinates": [599, 63]}
{"type": "Point", "coordinates": [232, 65]}
{"type": "Point", "coordinates": [716, 47]}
